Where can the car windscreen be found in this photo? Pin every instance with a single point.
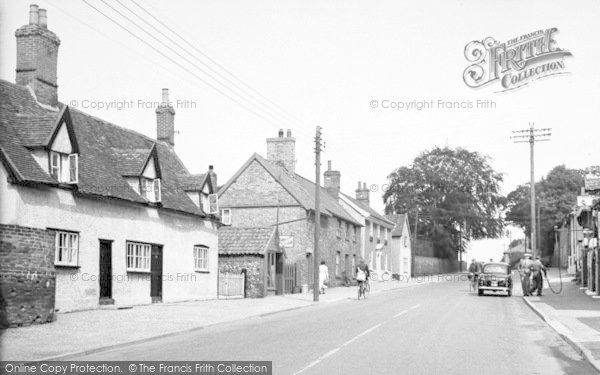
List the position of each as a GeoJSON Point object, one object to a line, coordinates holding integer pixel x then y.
{"type": "Point", "coordinates": [495, 268]}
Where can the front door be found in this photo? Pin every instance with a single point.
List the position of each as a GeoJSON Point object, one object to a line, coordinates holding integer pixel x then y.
{"type": "Point", "coordinates": [156, 274]}
{"type": "Point", "coordinates": [105, 271]}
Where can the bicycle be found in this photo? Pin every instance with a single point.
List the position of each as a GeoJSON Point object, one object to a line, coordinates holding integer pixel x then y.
{"type": "Point", "coordinates": [473, 286]}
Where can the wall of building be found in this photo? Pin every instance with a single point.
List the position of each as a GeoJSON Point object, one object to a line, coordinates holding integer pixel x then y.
{"type": "Point", "coordinates": [78, 288]}
{"type": "Point", "coordinates": [370, 242]}
{"type": "Point", "coordinates": [27, 278]}
{"type": "Point", "coordinates": [255, 272]}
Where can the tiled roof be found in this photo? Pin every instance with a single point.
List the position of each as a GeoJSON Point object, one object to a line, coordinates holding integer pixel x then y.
{"type": "Point", "coordinates": [372, 213]}
{"type": "Point", "coordinates": [106, 151]}
{"type": "Point", "coordinates": [400, 220]}
{"type": "Point", "coordinates": [300, 188]}
{"type": "Point", "coordinates": [240, 241]}
{"type": "Point", "coordinates": [193, 182]}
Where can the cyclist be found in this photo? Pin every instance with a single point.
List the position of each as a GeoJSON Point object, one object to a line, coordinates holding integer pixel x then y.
{"type": "Point", "coordinates": [362, 277]}
{"type": "Point", "coordinates": [474, 270]}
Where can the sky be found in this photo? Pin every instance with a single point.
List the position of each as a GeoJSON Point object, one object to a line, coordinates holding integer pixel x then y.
{"type": "Point", "coordinates": [325, 63]}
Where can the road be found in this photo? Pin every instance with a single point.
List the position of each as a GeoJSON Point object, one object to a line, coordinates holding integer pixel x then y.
{"type": "Point", "coordinates": [438, 328]}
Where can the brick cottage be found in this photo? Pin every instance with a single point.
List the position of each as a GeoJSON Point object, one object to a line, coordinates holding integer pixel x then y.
{"type": "Point", "coordinates": [268, 192]}
{"type": "Point", "coordinates": [92, 213]}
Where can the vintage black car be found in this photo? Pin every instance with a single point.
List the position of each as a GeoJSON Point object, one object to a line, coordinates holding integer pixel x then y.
{"type": "Point", "coordinates": [495, 277]}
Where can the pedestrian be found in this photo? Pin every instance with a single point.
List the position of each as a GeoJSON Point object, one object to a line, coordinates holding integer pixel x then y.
{"type": "Point", "coordinates": [474, 270]}
{"type": "Point", "coordinates": [362, 276]}
{"type": "Point", "coordinates": [323, 277]}
{"type": "Point", "coordinates": [525, 273]}
{"type": "Point", "coordinates": [538, 280]}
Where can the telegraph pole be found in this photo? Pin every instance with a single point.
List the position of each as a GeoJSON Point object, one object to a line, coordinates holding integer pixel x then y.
{"type": "Point", "coordinates": [318, 147]}
{"type": "Point", "coordinates": [531, 136]}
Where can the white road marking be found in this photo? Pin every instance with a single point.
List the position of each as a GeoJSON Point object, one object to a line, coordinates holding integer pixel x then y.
{"type": "Point", "coordinates": [415, 306]}
{"type": "Point", "coordinates": [333, 351]}
{"type": "Point", "coordinates": [400, 313]}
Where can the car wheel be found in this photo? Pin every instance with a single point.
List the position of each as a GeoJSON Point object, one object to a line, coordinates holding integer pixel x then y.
{"type": "Point", "coordinates": [480, 292]}
{"type": "Point", "coordinates": [509, 294]}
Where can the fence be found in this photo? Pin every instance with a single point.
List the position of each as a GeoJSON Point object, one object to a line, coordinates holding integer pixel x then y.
{"type": "Point", "coordinates": [231, 285]}
{"type": "Point", "coordinates": [290, 273]}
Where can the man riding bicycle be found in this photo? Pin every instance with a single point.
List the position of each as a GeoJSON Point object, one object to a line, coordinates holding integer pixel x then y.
{"type": "Point", "coordinates": [474, 270]}
{"type": "Point", "coordinates": [362, 277]}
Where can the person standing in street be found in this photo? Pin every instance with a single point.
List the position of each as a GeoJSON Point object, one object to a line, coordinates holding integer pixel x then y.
{"type": "Point", "coordinates": [525, 272]}
{"type": "Point", "coordinates": [323, 277]}
{"type": "Point", "coordinates": [538, 280]}
{"type": "Point", "coordinates": [474, 271]}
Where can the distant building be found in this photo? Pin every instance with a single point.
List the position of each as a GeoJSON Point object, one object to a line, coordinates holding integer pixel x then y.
{"type": "Point", "coordinates": [402, 251]}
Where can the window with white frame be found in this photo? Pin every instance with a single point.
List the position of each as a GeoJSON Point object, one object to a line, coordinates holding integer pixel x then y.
{"type": "Point", "coordinates": [64, 167]}
{"type": "Point", "coordinates": [66, 249]}
{"type": "Point", "coordinates": [151, 189]}
{"type": "Point", "coordinates": [201, 258]}
{"type": "Point", "coordinates": [226, 216]}
{"type": "Point", "coordinates": [138, 256]}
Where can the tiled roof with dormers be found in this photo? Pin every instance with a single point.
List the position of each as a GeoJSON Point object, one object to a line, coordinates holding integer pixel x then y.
{"type": "Point", "coordinates": [105, 150]}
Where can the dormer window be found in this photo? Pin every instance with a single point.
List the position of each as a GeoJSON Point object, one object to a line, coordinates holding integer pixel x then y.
{"type": "Point", "coordinates": [204, 202]}
{"type": "Point", "coordinates": [150, 189]}
{"type": "Point", "coordinates": [64, 167]}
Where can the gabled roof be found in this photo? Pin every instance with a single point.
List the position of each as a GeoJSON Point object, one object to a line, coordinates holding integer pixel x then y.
{"type": "Point", "coordinates": [105, 151]}
{"type": "Point", "coordinates": [300, 188]}
{"type": "Point", "coordinates": [241, 241]}
{"type": "Point", "coordinates": [400, 220]}
{"type": "Point", "coordinates": [373, 215]}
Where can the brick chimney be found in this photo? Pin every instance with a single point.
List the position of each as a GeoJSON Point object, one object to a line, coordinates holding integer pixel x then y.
{"type": "Point", "coordinates": [362, 193]}
{"type": "Point", "coordinates": [282, 150]}
{"type": "Point", "coordinates": [37, 57]}
{"type": "Point", "coordinates": [332, 181]}
{"type": "Point", "coordinates": [213, 178]}
{"type": "Point", "coordinates": [165, 120]}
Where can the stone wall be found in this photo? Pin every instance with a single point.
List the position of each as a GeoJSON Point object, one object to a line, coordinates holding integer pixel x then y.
{"type": "Point", "coordinates": [425, 266]}
{"type": "Point", "coordinates": [255, 268]}
{"type": "Point", "coordinates": [27, 276]}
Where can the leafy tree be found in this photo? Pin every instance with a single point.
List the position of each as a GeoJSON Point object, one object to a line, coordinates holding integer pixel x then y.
{"type": "Point", "coordinates": [454, 192]}
{"type": "Point", "coordinates": [556, 194]}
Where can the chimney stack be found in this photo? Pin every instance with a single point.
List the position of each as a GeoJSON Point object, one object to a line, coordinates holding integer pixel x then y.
{"type": "Point", "coordinates": [362, 193]}
{"type": "Point", "coordinates": [37, 57]}
{"type": "Point", "coordinates": [213, 178]}
{"type": "Point", "coordinates": [332, 181]}
{"type": "Point", "coordinates": [282, 150]}
{"type": "Point", "coordinates": [165, 120]}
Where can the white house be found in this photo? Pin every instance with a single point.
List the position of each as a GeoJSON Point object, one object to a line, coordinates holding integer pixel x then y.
{"type": "Point", "coordinates": [402, 254]}
{"type": "Point", "coordinates": [92, 213]}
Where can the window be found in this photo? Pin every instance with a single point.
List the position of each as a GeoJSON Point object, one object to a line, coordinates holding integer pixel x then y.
{"type": "Point", "coordinates": [151, 189]}
{"type": "Point", "coordinates": [138, 257]}
{"type": "Point", "coordinates": [226, 216]}
{"type": "Point", "coordinates": [370, 231]}
{"type": "Point", "coordinates": [64, 167]}
{"type": "Point", "coordinates": [67, 249]}
{"type": "Point", "coordinates": [353, 266]}
{"type": "Point", "coordinates": [347, 232]}
{"type": "Point", "coordinates": [405, 241]}
{"type": "Point", "coordinates": [337, 263]}
{"type": "Point", "coordinates": [204, 202]}
{"type": "Point", "coordinates": [201, 258]}
{"type": "Point", "coordinates": [339, 229]}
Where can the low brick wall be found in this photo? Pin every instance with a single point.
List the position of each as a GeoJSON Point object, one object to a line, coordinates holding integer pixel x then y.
{"type": "Point", "coordinates": [27, 276]}
{"type": "Point", "coordinates": [254, 265]}
{"type": "Point", "coordinates": [424, 266]}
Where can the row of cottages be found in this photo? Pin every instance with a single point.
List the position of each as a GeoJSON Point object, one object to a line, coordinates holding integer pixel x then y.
{"type": "Point", "coordinates": [92, 213]}
{"type": "Point", "coordinates": [267, 193]}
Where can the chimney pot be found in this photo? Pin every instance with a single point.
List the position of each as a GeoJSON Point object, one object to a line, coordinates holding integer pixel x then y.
{"type": "Point", "coordinates": [43, 18]}
{"type": "Point", "coordinates": [33, 14]}
{"type": "Point", "coordinates": [289, 133]}
{"type": "Point", "coordinates": [364, 185]}
{"type": "Point", "coordinates": [359, 184]}
{"type": "Point", "coordinates": [328, 165]}
{"type": "Point", "coordinates": [280, 133]}
{"type": "Point", "coordinates": [210, 167]}
{"type": "Point", "coordinates": [165, 96]}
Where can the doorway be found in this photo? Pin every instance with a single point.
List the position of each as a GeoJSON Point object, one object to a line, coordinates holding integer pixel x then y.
{"type": "Point", "coordinates": [156, 274]}
{"type": "Point", "coordinates": [105, 275]}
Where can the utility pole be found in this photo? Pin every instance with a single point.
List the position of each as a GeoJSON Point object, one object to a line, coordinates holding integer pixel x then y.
{"type": "Point", "coordinates": [531, 136]}
{"type": "Point", "coordinates": [318, 147]}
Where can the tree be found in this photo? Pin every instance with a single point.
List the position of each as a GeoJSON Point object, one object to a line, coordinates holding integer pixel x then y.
{"type": "Point", "coordinates": [556, 194]}
{"type": "Point", "coordinates": [454, 192]}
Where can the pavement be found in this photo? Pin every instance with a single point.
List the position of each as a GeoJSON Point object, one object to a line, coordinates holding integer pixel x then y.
{"type": "Point", "coordinates": [86, 332]}
{"type": "Point", "coordinates": [436, 328]}
{"type": "Point", "coordinates": [572, 313]}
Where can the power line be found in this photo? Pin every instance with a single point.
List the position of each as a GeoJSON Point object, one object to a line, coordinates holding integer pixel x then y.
{"type": "Point", "coordinates": [250, 96]}
{"type": "Point", "coordinates": [181, 66]}
{"type": "Point", "coordinates": [210, 59]}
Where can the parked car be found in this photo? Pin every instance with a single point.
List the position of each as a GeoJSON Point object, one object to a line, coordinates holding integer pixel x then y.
{"type": "Point", "coordinates": [495, 277]}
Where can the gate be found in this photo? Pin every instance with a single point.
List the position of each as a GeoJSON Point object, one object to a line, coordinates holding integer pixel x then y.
{"type": "Point", "coordinates": [290, 277]}
{"type": "Point", "coordinates": [231, 285]}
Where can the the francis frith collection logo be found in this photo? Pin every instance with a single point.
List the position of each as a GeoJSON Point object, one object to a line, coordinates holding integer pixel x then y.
{"type": "Point", "coordinates": [515, 63]}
